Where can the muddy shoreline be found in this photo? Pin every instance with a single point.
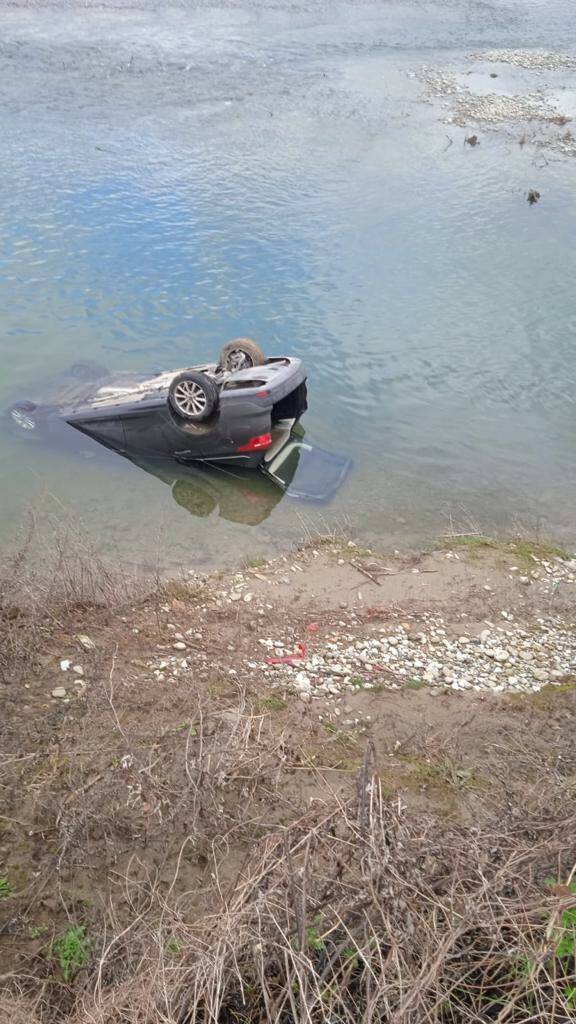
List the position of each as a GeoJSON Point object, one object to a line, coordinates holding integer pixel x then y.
{"type": "Point", "coordinates": [160, 745]}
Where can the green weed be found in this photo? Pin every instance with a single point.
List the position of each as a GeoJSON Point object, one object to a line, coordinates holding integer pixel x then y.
{"type": "Point", "coordinates": [350, 953]}
{"type": "Point", "coordinates": [344, 738]}
{"type": "Point", "coordinates": [187, 726]}
{"type": "Point", "coordinates": [271, 704]}
{"type": "Point", "coordinates": [6, 888]}
{"type": "Point", "coordinates": [523, 551]}
{"type": "Point", "coordinates": [565, 944]}
{"type": "Point", "coordinates": [72, 951]}
{"type": "Point", "coordinates": [415, 684]}
{"type": "Point", "coordinates": [313, 940]}
{"type": "Point", "coordinates": [254, 563]}
{"type": "Point", "coordinates": [569, 993]}
{"type": "Point", "coordinates": [174, 945]}
{"type": "Point", "coordinates": [440, 776]}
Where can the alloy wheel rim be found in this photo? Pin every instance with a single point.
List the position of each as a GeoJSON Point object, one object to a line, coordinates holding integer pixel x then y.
{"type": "Point", "coordinates": [190, 398]}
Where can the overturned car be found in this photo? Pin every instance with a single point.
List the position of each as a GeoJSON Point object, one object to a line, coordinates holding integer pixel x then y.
{"type": "Point", "coordinates": [241, 412]}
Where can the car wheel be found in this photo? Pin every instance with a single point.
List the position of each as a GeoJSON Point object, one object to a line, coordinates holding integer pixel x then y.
{"type": "Point", "coordinates": [193, 396]}
{"type": "Point", "coordinates": [241, 354]}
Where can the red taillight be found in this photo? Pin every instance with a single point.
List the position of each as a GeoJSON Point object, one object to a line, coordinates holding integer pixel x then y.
{"type": "Point", "coordinates": [261, 394]}
{"type": "Point", "coordinates": [255, 444]}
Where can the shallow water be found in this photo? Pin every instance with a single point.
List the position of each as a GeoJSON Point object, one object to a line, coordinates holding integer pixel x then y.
{"type": "Point", "coordinates": [172, 179]}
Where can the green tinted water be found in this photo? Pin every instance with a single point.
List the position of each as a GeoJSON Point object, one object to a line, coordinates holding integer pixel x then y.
{"type": "Point", "coordinates": [171, 179]}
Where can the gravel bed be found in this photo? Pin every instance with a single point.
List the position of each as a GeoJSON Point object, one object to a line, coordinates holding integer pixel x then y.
{"type": "Point", "coordinates": [501, 659]}
{"type": "Point", "coordinates": [528, 59]}
{"type": "Point", "coordinates": [504, 657]}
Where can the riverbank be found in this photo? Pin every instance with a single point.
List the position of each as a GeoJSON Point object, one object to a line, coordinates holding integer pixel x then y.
{"type": "Point", "coordinates": [333, 786]}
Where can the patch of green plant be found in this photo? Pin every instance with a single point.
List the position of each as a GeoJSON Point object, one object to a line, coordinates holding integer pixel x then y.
{"type": "Point", "coordinates": [340, 736]}
{"type": "Point", "coordinates": [190, 728]}
{"type": "Point", "coordinates": [471, 540]}
{"type": "Point", "coordinates": [358, 682]}
{"type": "Point", "coordinates": [254, 563]}
{"type": "Point", "coordinates": [441, 775]}
{"type": "Point", "coordinates": [271, 704]}
{"type": "Point", "coordinates": [415, 684]}
{"type": "Point", "coordinates": [72, 951]}
{"type": "Point", "coordinates": [545, 695]}
{"type": "Point", "coordinates": [523, 966]}
{"type": "Point", "coordinates": [313, 940]}
{"type": "Point", "coordinates": [36, 930]}
{"type": "Point", "coordinates": [6, 888]}
{"type": "Point", "coordinates": [569, 993]}
{"type": "Point", "coordinates": [342, 547]}
{"type": "Point", "coordinates": [445, 773]}
{"type": "Point", "coordinates": [350, 953]}
{"type": "Point", "coordinates": [528, 550]}
{"type": "Point", "coordinates": [523, 551]}
{"type": "Point", "coordinates": [565, 944]}
{"type": "Point", "coordinates": [174, 945]}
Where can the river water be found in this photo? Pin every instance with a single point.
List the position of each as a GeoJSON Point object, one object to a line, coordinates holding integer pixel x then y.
{"type": "Point", "coordinates": [172, 177]}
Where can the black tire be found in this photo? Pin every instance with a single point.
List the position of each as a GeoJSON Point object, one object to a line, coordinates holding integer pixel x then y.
{"type": "Point", "coordinates": [193, 396]}
{"type": "Point", "coordinates": [241, 354]}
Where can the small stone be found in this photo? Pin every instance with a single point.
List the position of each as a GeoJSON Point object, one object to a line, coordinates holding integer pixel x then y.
{"type": "Point", "coordinates": [302, 682]}
{"type": "Point", "coordinates": [78, 670]}
{"type": "Point", "coordinates": [59, 692]}
{"type": "Point", "coordinates": [235, 596]}
{"type": "Point", "coordinates": [65, 664]}
{"type": "Point", "coordinates": [85, 641]}
{"type": "Point", "coordinates": [179, 646]}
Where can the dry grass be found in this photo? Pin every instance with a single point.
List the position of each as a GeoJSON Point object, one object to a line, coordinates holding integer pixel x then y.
{"type": "Point", "coordinates": [51, 575]}
{"type": "Point", "coordinates": [353, 912]}
{"type": "Point", "coordinates": [215, 894]}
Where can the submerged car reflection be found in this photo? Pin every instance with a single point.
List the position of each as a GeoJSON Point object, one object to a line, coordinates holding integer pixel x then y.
{"type": "Point", "coordinates": [239, 497]}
